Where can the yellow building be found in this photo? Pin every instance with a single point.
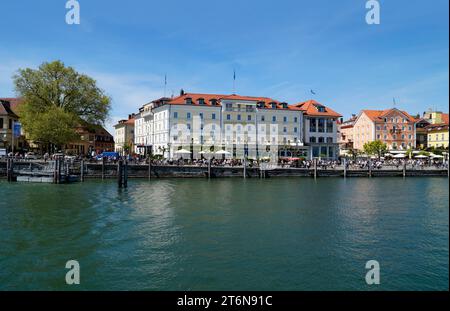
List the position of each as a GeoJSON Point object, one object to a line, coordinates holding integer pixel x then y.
{"type": "Point", "coordinates": [437, 135]}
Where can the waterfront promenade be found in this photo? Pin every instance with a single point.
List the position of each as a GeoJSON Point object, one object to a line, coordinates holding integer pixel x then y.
{"type": "Point", "coordinates": [107, 170]}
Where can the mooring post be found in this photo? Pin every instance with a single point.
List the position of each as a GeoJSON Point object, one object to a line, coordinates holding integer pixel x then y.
{"type": "Point", "coordinates": [9, 169]}
{"type": "Point", "coordinates": [59, 170]}
{"type": "Point", "coordinates": [315, 168]}
{"type": "Point", "coordinates": [345, 167]}
{"type": "Point", "coordinates": [82, 171]}
{"type": "Point", "coordinates": [119, 173]}
{"type": "Point", "coordinates": [209, 168]}
{"type": "Point", "coordinates": [404, 168]}
{"type": "Point", "coordinates": [370, 168]}
{"type": "Point", "coordinates": [149, 168]}
{"type": "Point", "coordinates": [245, 167]}
{"type": "Point", "coordinates": [103, 167]}
{"type": "Point", "coordinates": [125, 175]}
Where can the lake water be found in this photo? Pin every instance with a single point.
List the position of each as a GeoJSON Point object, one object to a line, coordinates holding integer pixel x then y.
{"type": "Point", "coordinates": [226, 234]}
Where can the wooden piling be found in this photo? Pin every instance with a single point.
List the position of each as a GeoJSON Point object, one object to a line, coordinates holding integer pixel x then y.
{"type": "Point", "coordinates": [149, 168]}
{"type": "Point", "coordinates": [103, 167]}
{"type": "Point", "coordinates": [370, 168]}
{"type": "Point", "coordinates": [404, 169]}
{"type": "Point", "coordinates": [345, 168]}
{"type": "Point", "coordinates": [125, 175]}
{"type": "Point", "coordinates": [119, 173]}
{"type": "Point", "coordinates": [82, 171]}
{"type": "Point", "coordinates": [245, 168]}
{"type": "Point", "coordinates": [315, 168]}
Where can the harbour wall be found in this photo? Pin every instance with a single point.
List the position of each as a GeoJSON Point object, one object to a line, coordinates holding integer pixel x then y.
{"type": "Point", "coordinates": [94, 170]}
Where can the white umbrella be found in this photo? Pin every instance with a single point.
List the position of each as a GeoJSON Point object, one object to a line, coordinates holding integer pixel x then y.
{"type": "Point", "coordinates": [421, 156]}
{"type": "Point", "coordinates": [182, 151]}
{"type": "Point", "coordinates": [399, 156]}
{"type": "Point", "coordinates": [388, 154]}
{"type": "Point", "coordinates": [436, 156]}
{"type": "Point", "coordinates": [202, 152]}
{"type": "Point", "coordinates": [223, 152]}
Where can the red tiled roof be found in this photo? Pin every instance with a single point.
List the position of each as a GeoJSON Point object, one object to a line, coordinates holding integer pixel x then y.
{"type": "Point", "coordinates": [445, 118]}
{"type": "Point", "coordinates": [437, 127]}
{"type": "Point", "coordinates": [14, 103]}
{"type": "Point", "coordinates": [310, 108]}
{"type": "Point", "coordinates": [377, 115]}
{"type": "Point", "coordinates": [181, 100]}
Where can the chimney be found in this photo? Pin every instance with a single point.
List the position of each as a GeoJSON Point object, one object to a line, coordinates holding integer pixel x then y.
{"type": "Point", "coordinates": [182, 92]}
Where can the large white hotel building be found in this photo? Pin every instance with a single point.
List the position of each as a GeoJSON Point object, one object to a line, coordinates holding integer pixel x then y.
{"type": "Point", "coordinates": [256, 127]}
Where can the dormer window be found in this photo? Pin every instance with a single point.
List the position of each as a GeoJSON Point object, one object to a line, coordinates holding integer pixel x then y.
{"type": "Point", "coordinates": [320, 108]}
{"type": "Point", "coordinates": [284, 105]}
{"type": "Point", "coordinates": [213, 101]}
{"type": "Point", "coordinates": [188, 101]}
{"type": "Point", "coordinates": [273, 105]}
{"type": "Point", "coordinates": [201, 101]}
{"type": "Point", "coordinates": [261, 104]}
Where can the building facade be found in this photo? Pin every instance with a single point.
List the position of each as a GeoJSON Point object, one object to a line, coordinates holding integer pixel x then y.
{"type": "Point", "coordinates": [255, 127]}
{"type": "Point", "coordinates": [345, 135]}
{"type": "Point", "coordinates": [124, 136]}
{"type": "Point", "coordinates": [320, 130]}
{"type": "Point", "coordinates": [11, 134]}
{"type": "Point", "coordinates": [393, 127]}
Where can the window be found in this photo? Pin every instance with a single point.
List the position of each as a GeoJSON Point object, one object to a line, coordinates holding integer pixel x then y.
{"type": "Point", "coordinates": [295, 130]}
{"type": "Point", "coordinates": [329, 126]}
{"type": "Point", "coordinates": [263, 118]}
{"type": "Point", "coordinates": [295, 120]}
{"type": "Point", "coordinates": [329, 140]}
{"type": "Point", "coordinates": [201, 115]}
{"type": "Point", "coordinates": [188, 116]}
{"type": "Point", "coordinates": [315, 152]}
{"type": "Point", "coordinates": [312, 139]}
{"type": "Point", "coordinates": [321, 140]}
{"type": "Point", "coordinates": [321, 125]}
{"type": "Point", "coordinates": [323, 151]}
{"type": "Point", "coordinates": [1, 123]}
{"type": "Point", "coordinates": [312, 125]}
{"type": "Point", "coordinates": [213, 116]}
{"type": "Point", "coordinates": [239, 117]}
{"type": "Point", "coordinates": [175, 115]}
{"type": "Point", "coordinates": [249, 118]}
{"type": "Point", "coordinates": [378, 136]}
{"type": "Point", "coordinates": [228, 116]}
{"type": "Point", "coordinates": [229, 107]}
{"type": "Point", "coordinates": [285, 119]}
{"type": "Point", "coordinates": [10, 124]}
{"type": "Point", "coordinates": [274, 119]}
{"type": "Point", "coordinates": [284, 130]}
{"type": "Point", "coordinates": [330, 152]}
{"type": "Point", "coordinates": [201, 101]}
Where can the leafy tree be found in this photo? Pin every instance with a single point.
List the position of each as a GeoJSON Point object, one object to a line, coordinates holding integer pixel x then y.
{"type": "Point", "coordinates": [56, 98]}
{"type": "Point", "coordinates": [375, 148]}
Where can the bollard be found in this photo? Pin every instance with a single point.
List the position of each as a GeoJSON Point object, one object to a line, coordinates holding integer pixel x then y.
{"type": "Point", "coordinates": [149, 168]}
{"type": "Point", "coordinates": [209, 168]}
{"type": "Point", "coordinates": [315, 168]}
{"type": "Point", "coordinates": [82, 171]}
{"type": "Point", "coordinates": [125, 175]}
{"type": "Point", "coordinates": [119, 173]}
{"type": "Point", "coordinates": [103, 167]}
{"type": "Point", "coordinates": [345, 168]}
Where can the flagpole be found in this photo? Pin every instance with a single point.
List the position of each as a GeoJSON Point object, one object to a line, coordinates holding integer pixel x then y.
{"type": "Point", "coordinates": [234, 82]}
{"type": "Point", "coordinates": [165, 84]}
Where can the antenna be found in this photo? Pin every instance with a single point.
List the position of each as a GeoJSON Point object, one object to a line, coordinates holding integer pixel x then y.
{"type": "Point", "coordinates": [165, 84]}
{"type": "Point", "coordinates": [395, 103]}
{"type": "Point", "coordinates": [234, 81]}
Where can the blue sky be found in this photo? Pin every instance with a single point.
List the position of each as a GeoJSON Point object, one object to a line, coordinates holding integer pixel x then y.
{"type": "Point", "coordinates": [281, 49]}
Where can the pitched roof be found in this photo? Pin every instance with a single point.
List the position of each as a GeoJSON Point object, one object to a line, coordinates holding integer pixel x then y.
{"type": "Point", "coordinates": [5, 108]}
{"type": "Point", "coordinates": [310, 108]}
{"type": "Point", "coordinates": [444, 118]}
{"type": "Point", "coordinates": [14, 103]}
{"type": "Point", "coordinates": [378, 115]}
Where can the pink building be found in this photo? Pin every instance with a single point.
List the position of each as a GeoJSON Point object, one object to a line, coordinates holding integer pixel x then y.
{"type": "Point", "coordinates": [394, 127]}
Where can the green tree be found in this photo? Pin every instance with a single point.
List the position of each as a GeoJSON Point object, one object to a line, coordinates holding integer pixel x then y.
{"type": "Point", "coordinates": [56, 98]}
{"type": "Point", "coordinates": [375, 148]}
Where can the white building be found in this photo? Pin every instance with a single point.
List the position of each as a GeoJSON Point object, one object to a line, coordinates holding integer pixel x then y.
{"type": "Point", "coordinates": [242, 125]}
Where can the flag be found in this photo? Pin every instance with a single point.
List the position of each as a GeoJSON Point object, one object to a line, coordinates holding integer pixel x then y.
{"type": "Point", "coordinates": [165, 79]}
{"type": "Point", "coordinates": [234, 75]}
{"type": "Point", "coordinates": [312, 92]}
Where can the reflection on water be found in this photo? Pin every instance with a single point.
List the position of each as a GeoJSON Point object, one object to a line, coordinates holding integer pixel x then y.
{"type": "Point", "coordinates": [283, 234]}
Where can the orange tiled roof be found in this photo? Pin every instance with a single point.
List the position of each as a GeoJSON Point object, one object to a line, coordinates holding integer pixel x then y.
{"type": "Point", "coordinates": [445, 118]}
{"type": "Point", "coordinates": [310, 108]}
{"type": "Point", "coordinates": [377, 115]}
